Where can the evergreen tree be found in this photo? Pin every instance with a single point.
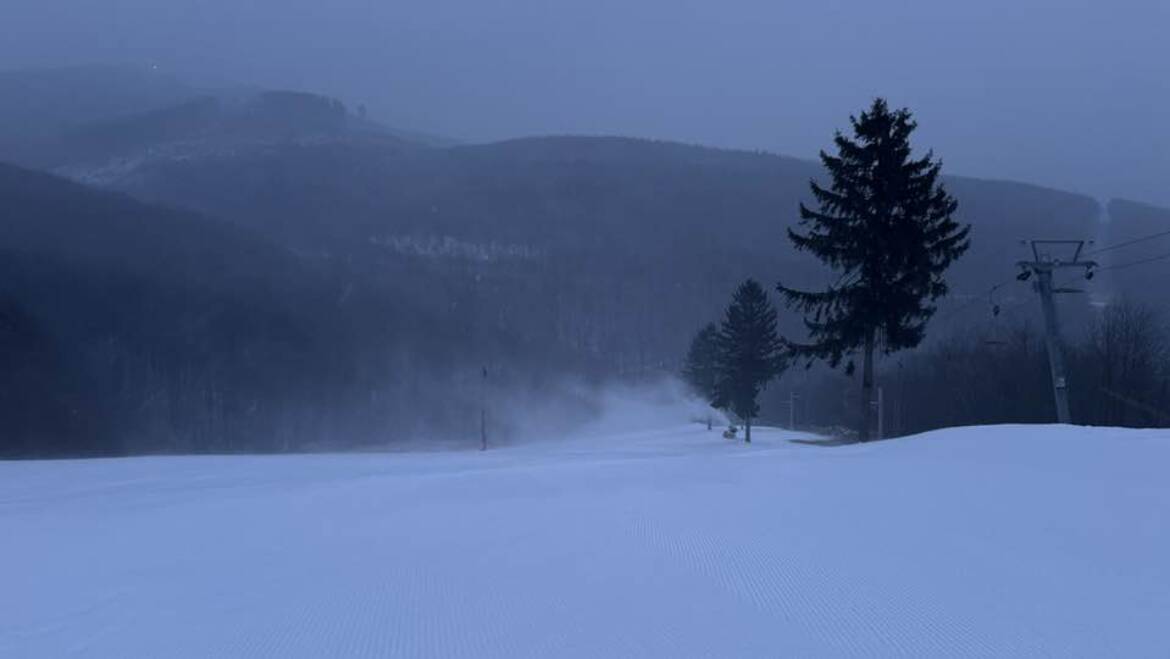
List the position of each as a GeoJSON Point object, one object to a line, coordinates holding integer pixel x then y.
{"type": "Point", "coordinates": [750, 353]}
{"type": "Point", "coordinates": [700, 369]}
{"type": "Point", "coordinates": [885, 226]}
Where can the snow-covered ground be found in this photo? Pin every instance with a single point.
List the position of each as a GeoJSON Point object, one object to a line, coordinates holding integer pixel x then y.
{"type": "Point", "coordinates": [1004, 541]}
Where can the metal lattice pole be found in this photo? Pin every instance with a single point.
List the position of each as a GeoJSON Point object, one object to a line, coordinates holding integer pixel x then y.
{"type": "Point", "coordinates": [1043, 266]}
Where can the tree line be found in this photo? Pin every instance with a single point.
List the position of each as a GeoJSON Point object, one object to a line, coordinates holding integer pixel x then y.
{"type": "Point", "coordinates": [1118, 373]}
{"type": "Point", "coordinates": [885, 228]}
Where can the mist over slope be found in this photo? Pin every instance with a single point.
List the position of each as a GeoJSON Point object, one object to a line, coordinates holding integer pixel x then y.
{"type": "Point", "coordinates": [137, 328]}
{"type": "Point", "coordinates": [541, 259]}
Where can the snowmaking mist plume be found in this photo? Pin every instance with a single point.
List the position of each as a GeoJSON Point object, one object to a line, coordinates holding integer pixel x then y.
{"type": "Point", "coordinates": [574, 409]}
{"type": "Point", "coordinates": [521, 413]}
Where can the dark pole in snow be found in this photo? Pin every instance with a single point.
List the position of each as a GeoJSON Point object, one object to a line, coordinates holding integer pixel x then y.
{"type": "Point", "coordinates": [483, 412]}
{"type": "Point", "coordinates": [792, 410]}
{"type": "Point", "coordinates": [1054, 346]}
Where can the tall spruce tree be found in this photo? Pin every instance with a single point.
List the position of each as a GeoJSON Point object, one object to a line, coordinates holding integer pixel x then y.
{"type": "Point", "coordinates": [700, 370]}
{"type": "Point", "coordinates": [750, 353]}
{"type": "Point", "coordinates": [885, 227]}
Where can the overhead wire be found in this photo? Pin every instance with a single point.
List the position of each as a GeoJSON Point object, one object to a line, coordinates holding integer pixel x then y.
{"type": "Point", "coordinates": [1127, 243]}
{"type": "Point", "coordinates": [950, 313]}
{"type": "Point", "coordinates": [1151, 259]}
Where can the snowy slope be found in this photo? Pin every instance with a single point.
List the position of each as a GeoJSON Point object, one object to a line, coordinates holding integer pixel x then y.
{"type": "Point", "coordinates": [1003, 541]}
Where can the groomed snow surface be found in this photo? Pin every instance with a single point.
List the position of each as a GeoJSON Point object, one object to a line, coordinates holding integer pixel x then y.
{"type": "Point", "coordinates": [996, 541]}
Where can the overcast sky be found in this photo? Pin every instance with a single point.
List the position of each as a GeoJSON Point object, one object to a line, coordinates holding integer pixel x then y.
{"type": "Point", "coordinates": [1066, 93]}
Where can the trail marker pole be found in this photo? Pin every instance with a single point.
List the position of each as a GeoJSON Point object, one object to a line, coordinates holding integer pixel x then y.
{"type": "Point", "coordinates": [792, 410]}
{"type": "Point", "coordinates": [483, 411]}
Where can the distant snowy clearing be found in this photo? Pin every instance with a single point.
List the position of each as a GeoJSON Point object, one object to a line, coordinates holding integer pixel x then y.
{"type": "Point", "coordinates": [998, 541]}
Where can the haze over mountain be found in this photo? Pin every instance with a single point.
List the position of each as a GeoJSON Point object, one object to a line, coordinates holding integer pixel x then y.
{"type": "Point", "coordinates": [323, 257]}
{"type": "Point", "coordinates": [375, 270]}
{"type": "Point", "coordinates": [1060, 93]}
{"type": "Point", "coordinates": [561, 328]}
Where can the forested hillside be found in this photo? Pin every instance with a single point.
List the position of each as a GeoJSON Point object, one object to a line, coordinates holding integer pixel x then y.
{"type": "Point", "coordinates": [322, 258]}
{"type": "Point", "coordinates": [128, 328]}
{"type": "Point", "coordinates": [601, 228]}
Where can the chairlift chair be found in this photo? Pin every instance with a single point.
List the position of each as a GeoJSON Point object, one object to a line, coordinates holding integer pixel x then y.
{"type": "Point", "coordinates": [995, 337]}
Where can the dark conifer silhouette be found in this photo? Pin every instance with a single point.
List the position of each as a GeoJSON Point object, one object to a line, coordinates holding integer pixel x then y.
{"type": "Point", "coordinates": [750, 353]}
{"type": "Point", "coordinates": [885, 226]}
{"type": "Point", "coordinates": [700, 370]}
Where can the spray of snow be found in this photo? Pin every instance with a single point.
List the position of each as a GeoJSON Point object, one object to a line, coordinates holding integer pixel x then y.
{"type": "Point", "coordinates": [574, 409]}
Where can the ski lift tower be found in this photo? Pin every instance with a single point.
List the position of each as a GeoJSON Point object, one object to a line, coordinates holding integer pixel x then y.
{"type": "Point", "coordinates": [1048, 256]}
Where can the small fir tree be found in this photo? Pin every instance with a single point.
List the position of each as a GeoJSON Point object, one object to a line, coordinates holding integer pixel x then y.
{"type": "Point", "coordinates": [750, 353]}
